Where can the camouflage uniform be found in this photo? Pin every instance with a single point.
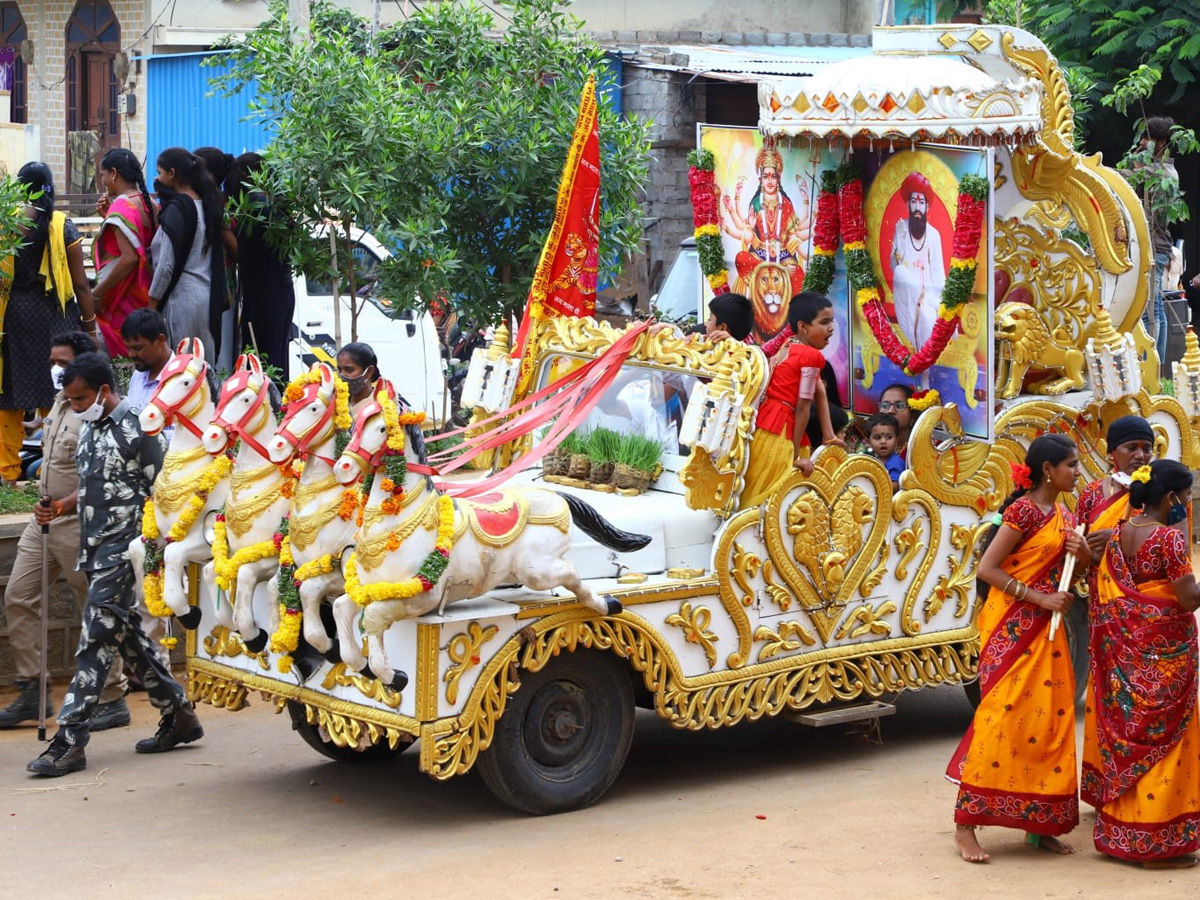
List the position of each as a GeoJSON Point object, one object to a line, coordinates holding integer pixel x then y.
{"type": "Point", "coordinates": [117, 467]}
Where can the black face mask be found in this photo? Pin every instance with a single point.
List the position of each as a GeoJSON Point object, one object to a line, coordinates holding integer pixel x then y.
{"type": "Point", "coordinates": [357, 384]}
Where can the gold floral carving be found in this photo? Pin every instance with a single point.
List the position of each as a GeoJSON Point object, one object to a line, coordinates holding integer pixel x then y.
{"type": "Point", "coordinates": [371, 688]}
{"type": "Point", "coordinates": [346, 723]}
{"type": "Point", "coordinates": [695, 625]}
{"type": "Point", "coordinates": [450, 746]}
{"type": "Point", "coordinates": [463, 651]}
{"type": "Point", "coordinates": [1062, 279]}
{"type": "Point", "coordinates": [219, 692]}
{"type": "Point", "coordinates": [790, 637]}
{"type": "Point", "coordinates": [825, 539]}
{"type": "Point", "coordinates": [959, 582]}
{"type": "Point", "coordinates": [911, 543]}
{"type": "Point", "coordinates": [867, 619]}
{"type": "Point", "coordinates": [221, 641]}
{"type": "Point", "coordinates": [779, 594]}
{"type": "Point", "coordinates": [738, 567]}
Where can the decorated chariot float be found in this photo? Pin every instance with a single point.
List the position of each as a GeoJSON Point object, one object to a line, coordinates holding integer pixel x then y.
{"type": "Point", "coordinates": [514, 624]}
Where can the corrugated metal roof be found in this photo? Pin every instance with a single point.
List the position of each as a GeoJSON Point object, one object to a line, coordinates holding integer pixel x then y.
{"type": "Point", "coordinates": [744, 63]}
{"type": "Point", "coordinates": [181, 113]}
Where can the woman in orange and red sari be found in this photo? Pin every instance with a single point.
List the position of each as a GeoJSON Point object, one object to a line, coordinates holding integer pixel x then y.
{"type": "Point", "coordinates": [1015, 766]}
{"type": "Point", "coordinates": [1144, 660]}
{"type": "Point", "coordinates": [1102, 506]}
{"type": "Point", "coordinates": [121, 250]}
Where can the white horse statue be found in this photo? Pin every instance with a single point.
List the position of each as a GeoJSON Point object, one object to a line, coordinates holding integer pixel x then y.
{"type": "Point", "coordinates": [323, 512]}
{"type": "Point", "coordinates": [190, 485]}
{"type": "Point", "coordinates": [246, 549]}
{"type": "Point", "coordinates": [419, 550]}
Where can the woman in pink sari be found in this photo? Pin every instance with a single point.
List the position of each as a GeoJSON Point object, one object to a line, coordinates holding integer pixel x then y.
{"type": "Point", "coordinates": [121, 251]}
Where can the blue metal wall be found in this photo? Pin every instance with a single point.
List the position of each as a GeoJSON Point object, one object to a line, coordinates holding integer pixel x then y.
{"type": "Point", "coordinates": [183, 111]}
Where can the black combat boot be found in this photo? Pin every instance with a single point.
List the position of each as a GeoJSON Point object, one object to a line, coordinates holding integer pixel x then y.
{"type": "Point", "coordinates": [180, 726]}
{"type": "Point", "coordinates": [25, 707]}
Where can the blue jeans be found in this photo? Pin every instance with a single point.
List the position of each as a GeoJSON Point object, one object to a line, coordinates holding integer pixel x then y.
{"type": "Point", "coordinates": [1154, 317]}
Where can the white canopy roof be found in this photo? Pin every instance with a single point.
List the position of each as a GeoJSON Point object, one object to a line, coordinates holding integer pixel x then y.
{"type": "Point", "coordinates": [927, 83]}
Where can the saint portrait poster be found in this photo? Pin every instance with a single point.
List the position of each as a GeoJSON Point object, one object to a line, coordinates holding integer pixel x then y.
{"type": "Point", "coordinates": [910, 201]}
{"type": "Point", "coordinates": [767, 207]}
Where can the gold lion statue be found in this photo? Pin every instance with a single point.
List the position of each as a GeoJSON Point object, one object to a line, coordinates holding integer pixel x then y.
{"type": "Point", "coordinates": [1025, 342]}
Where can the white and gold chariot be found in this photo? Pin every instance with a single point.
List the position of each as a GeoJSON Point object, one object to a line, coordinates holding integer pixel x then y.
{"type": "Point", "coordinates": [837, 591]}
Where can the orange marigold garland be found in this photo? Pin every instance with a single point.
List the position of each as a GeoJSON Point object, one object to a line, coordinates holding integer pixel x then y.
{"type": "Point", "coordinates": [846, 216]}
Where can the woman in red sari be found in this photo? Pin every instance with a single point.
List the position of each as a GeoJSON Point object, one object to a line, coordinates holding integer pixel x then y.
{"type": "Point", "coordinates": [1102, 506]}
{"type": "Point", "coordinates": [1144, 658]}
{"type": "Point", "coordinates": [121, 251]}
{"type": "Point", "coordinates": [1015, 766]}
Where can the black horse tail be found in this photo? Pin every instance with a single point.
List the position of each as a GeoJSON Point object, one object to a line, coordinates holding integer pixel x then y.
{"type": "Point", "coordinates": [600, 529]}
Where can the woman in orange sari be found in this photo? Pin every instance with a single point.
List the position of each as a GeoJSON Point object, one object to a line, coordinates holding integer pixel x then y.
{"type": "Point", "coordinates": [1015, 766]}
{"type": "Point", "coordinates": [1144, 660]}
{"type": "Point", "coordinates": [1102, 506]}
{"type": "Point", "coordinates": [121, 251]}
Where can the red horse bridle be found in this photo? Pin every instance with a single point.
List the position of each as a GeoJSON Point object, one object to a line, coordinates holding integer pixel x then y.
{"type": "Point", "coordinates": [239, 382]}
{"type": "Point", "coordinates": [372, 460]}
{"type": "Point", "coordinates": [302, 443]}
{"type": "Point", "coordinates": [178, 366]}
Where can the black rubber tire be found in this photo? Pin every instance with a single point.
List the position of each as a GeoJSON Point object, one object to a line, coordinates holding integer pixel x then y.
{"type": "Point", "coordinates": [311, 735]}
{"type": "Point", "coordinates": [538, 768]}
{"type": "Point", "coordinates": [1076, 624]}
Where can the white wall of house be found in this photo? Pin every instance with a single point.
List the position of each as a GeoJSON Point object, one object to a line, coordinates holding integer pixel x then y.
{"type": "Point", "coordinates": [746, 17]}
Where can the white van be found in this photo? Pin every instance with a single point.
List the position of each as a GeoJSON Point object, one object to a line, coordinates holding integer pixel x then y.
{"type": "Point", "coordinates": [407, 344]}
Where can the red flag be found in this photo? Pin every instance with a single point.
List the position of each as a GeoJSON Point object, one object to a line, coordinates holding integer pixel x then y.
{"type": "Point", "coordinates": [564, 283]}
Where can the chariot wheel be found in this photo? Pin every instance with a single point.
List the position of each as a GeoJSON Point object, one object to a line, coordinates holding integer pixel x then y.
{"type": "Point", "coordinates": [311, 735]}
{"type": "Point", "coordinates": [1076, 624]}
{"type": "Point", "coordinates": [564, 737]}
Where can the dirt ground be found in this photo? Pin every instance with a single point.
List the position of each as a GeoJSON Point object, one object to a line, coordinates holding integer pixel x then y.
{"type": "Point", "coordinates": [771, 809]}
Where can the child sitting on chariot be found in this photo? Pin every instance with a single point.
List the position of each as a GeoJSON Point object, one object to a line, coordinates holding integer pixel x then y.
{"type": "Point", "coordinates": [731, 316]}
{"type": "Point", "coordinates": [883, 431]}
{"type": "Point", "coordinates": [779, 443]}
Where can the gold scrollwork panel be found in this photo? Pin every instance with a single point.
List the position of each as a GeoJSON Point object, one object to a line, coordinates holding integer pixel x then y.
{"type": "Point", "coordinates": [915, 542]}
{"type": "Point", "coordinates": [825, 539]}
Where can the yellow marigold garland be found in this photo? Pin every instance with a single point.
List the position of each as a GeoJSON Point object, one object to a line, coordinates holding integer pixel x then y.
{"type": "Point", "coordinates": [152, 567]}
{"type": "Point", "coordinates": [341, 403]}
{"type": "Point", "coordinates": [427, 575]}
{"type": "Point", "coordinates": [922, 400]}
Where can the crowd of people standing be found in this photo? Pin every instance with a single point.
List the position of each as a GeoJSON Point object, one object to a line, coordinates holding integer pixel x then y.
{"type": "Point", "coordinates": [168, 266]}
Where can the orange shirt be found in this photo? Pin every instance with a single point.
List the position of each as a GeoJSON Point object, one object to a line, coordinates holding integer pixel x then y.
{"type": "Point", "coordinates": [777, 413]}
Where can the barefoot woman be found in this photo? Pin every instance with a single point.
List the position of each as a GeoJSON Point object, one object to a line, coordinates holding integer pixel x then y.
{"type": "Point", "coordinates": [1016, 764]}
{"type": "Point", "coordinates": [1144, 666]}
{"type": "Point", "coordinates": [1102, 505]}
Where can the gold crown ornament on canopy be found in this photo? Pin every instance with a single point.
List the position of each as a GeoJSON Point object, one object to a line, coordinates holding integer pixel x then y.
{"type": "Point", "coordinates": [1112, 361]}
{"type": "Point", "coordinates": [1186, 373]}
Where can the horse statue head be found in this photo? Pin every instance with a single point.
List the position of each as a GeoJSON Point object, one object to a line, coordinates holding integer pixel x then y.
{"type": "Point", "coordinates": [366, 449]}
{"type": "Point", "coordinates": [311, 415]}
{"type": "Point", "coordinates": [243, 408]}
{"type": "Point", "coordinates": [182, 390]}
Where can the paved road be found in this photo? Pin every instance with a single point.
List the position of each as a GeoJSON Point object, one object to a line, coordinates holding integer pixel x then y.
{"type": "Point", "coordinates": [251, 812]}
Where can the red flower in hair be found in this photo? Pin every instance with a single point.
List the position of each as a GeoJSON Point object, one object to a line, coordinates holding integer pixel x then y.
{"type": "Point", "coordinates": [1020, 475]}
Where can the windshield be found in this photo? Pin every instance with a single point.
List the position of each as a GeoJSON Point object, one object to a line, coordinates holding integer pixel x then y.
{"type": "Point", "coordinates": [679, 298]}
{"type": "Point", "coordinates": [640, 400]}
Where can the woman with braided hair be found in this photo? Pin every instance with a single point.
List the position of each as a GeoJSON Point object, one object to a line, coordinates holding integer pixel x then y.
{"type": "Point", "coordinates": [1015, 767]}
{"type": "Point", "coordinates": [1145, 781]}
{"type": "Point", "coordinates": [121, 251]}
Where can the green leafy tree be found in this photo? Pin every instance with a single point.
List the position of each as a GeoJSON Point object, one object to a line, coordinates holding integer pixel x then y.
{"type": "Point", "coordinates": [445, 137]}
{"type": "Point", "coordinates": [1119, 40]}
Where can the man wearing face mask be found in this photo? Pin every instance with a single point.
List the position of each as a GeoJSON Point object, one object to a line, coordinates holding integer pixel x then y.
{"type": "Point", "coordinates": [117, 465]}
{"type": "Point", "coordinates": [145, 334]}
{"type": "Point", "coordinates": [23, 595]}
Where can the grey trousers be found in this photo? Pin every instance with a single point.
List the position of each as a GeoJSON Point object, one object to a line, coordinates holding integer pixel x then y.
{"type": "Point", "coordinates": [112, 625]}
